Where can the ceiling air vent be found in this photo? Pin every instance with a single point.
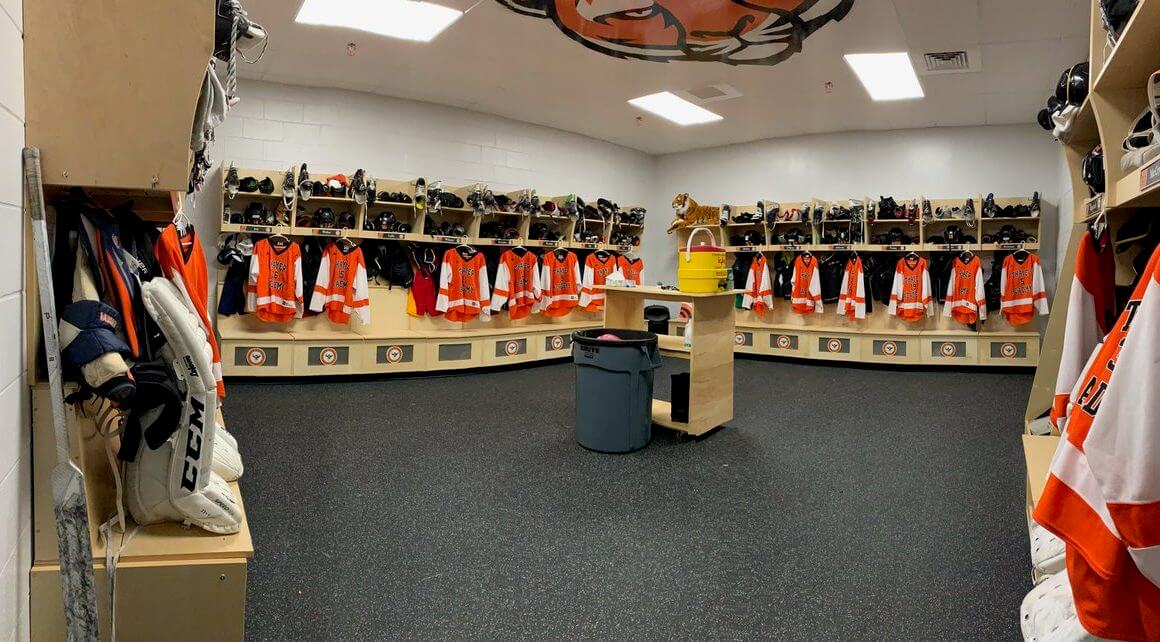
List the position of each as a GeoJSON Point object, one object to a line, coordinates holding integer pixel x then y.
{"type": "Point", "coordinates": [710, 93]}
{"type": "Point", "coordinates": [950, 62]}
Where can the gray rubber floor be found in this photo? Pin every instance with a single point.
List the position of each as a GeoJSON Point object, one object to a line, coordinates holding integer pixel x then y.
{"type": "Point", "coordinates": [840, 504]}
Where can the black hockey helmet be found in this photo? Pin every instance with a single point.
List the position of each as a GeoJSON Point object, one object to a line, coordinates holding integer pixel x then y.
{"type": "Point", "coordinates": [345, 221]}
{"type": "Point", "coordinates": [1093, 170]}
{"type": "Point", "coordinates": [1072, 87]}
{"type": "Point", "coordinates": [1006, 234]}
{"type": "Point", "coordinates": [953, 234]}
{"type": "Point", "coordinates": [323, 217]}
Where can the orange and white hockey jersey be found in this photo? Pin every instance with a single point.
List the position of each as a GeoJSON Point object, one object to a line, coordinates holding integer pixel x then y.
{"type": "Point", "coordinates": [274, 287]}
{"type": "Point", "coordinates": [1021, 289]}
{"type": "Point", "coordinates": [1102, 496]}
{"type": "Point", "coordinates": [806, 285]}
{"type": "Point", "coordinates": [595, 272]}
{"type": "Point", "coordinates": [630, 268]}
{"type": "Point", "coordinates": [517, 284]}
{"type": "Point", "coordinates": [852, 297]}
{"type": "Point", "coordinates": [183, 262]}
{"type": "Point", "coordinates": [911, 297]}
{"type": "Point", "coordinates": [758, 287]}
{"type": "Point", "coordinates": [1091, 309]}
{"type": "Point", "coordinates": [966, 300]}
{"type": "Point", "coordinates": [341, 287]}
{"type": "Point", "coordinates": [559, 283]}
{"type": "Point", "coordinates": [464, 292]}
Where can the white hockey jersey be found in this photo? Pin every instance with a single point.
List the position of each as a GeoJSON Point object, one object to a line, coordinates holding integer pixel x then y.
{"type": "Point", "coordinates": [1091, 311]}
{"type": "Point", "coordinates": [1103, 494]}
{"type": "Point", "coordinates": [758, 287]}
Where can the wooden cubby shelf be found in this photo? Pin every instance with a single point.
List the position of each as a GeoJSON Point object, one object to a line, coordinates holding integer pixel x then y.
{"type": "Point", "coordinates": [879, 338]}
{"type": "Point", "coordinates": [395, 341]}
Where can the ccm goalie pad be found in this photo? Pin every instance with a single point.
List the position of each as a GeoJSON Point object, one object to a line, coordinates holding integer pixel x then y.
{"type": "Point", "coordinates": [175, 482]}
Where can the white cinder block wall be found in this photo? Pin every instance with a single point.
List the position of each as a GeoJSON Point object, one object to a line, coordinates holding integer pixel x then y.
{"type": "Point", "coordinates": [277, 125]}
{"type": "Point", "coordinates": [937, 163]}
{"type": "Point", "coordinates": [15, 456]}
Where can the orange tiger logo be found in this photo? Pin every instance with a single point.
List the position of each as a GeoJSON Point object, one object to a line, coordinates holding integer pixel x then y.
{"type": "Point", "coordinates": [736, 32]}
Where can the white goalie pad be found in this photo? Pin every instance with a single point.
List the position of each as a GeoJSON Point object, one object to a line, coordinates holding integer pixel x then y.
{"type": "Point", "coordinates": [1048, 613]}
{"type": "Point", "coordinates": [1048, 552]}
{"type": "Point", "coordinates": [175, 482]}
{"type": "Point", "coordinates": [227, 460]}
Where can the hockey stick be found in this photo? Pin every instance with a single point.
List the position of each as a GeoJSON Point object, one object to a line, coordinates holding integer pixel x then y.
{"type": "Point", "coordinates": [68, 482]}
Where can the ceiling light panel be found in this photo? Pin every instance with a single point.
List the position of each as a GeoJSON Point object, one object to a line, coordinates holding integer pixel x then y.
{"type": "Point", "coordinates": [886, 76]}
{"type": "Point", "coordinates": [406, 19]}
{"type": "Point", "coordinates": [672, 107]}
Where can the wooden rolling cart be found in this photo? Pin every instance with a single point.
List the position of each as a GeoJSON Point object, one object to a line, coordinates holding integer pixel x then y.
{"type": "Point", "coordinates": [395, 341]}
{"type": "Point", "coordinates": [710, 358]}
{"type": "Point", "coordinates": [1118, 79]}
{"type": "Point", "coordinates": [879, 338]}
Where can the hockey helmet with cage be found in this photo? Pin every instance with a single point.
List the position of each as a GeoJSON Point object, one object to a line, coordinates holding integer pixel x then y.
{"type": "Point", "coordinates": [953, 235]}
{"type": "Point", "coordinates": [323, 217]}
{"type": "Point", "coordinates": [345, 221]}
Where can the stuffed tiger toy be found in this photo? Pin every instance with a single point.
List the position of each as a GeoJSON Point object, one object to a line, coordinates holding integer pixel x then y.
{"type": "Point", "coordinates": [687, 213]}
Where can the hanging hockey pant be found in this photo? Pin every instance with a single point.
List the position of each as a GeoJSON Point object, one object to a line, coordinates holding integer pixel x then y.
{"type": "Point", "coordinates": [175, 481]}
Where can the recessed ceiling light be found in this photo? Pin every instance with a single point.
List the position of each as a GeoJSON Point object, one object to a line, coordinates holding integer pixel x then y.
{"type": "Point", "coordinates": [887, 76]}
{"type": "Point", "coordinates": [407, 19]}
{"type": "Point", "coordinates": [670, 106]}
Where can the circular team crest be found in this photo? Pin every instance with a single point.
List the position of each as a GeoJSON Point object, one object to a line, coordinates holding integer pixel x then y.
{"type": "Point", "coordinates": [255, 356]}
{"type": "Point", "coordinates": [948, 349]}
{"type": "Point", "coordinates": [783, 342]}
{"type": "Point", "coordinates": [739, 338]}
{"type": "Point", "coordinates": [735, 32]}
{"type": "Point", "coordinates": [557, 342]}
{"type": "Point", "coordinates": [328, 356]}
{"type": "Point", "coordinates": [889, 348]}
{"type": "Point", "coordinates": [394, 354]}
{"type": "Point", "coordinates": [834, 345]}
{"type": "Point", "coordinates": [1008, 350]}
{"type": "Point", "coordinates": [511, 348]}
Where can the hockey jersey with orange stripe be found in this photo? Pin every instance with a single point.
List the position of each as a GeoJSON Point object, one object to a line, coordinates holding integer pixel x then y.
{"type": "Point", "coordinates": [758, 287]}
{"type": "Point", "coordinates": [183, 262]}
{"type": "Point", "coordinates": [1021, 289]}
{"type": "Point", "coordinates": [852, 299]}
{"type": "Point", "coordinates": [806, 285]}
{"type": "Point", "coordinates": [631, 268]}
{"type": "Point", "coordinates": [274, 288]}
{"type": "Point", "coordinates": [559, 283]}
{"type": "Point", "coordinates": [596, 270]}
{"type": "Point", "coordinates": [966, 300]}
{"type": "Point", "coordinates": [910, 298]}
{"type": "Point", "coordinates": [517, 284]}
{"type": "Point", "coordinates": [1102, 497]}
{"type": "Point", "coordinates": [1091, 310]}
{"type": "Point", "coordinates": [341, 287]}
{"type": "Point", "coordinates": [464, 292]}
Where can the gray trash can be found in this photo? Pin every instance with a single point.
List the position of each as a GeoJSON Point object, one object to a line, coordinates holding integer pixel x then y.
{"type": "Point", "coordinates": [614, 386]}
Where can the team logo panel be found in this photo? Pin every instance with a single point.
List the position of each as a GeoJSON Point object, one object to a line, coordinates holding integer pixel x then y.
{"type": "Point", "coordinates": [1009, 350]}
{"type": "Point", "coordinates": [394, 354]}
{"type": "Point", "coordinates": [511, 347]}
{"type": "Point", "coordinates": [889, 348]}
{"type": "Point", "coordinates": [948, 349]}
{"type": "Point", "coordinates": [783, 342]}
{"type": "Point", "coordinates": [328, 356]}
{"type": "Point", "coordinates": [743, 339]}
{"type": "Point", "coordinates": [557, 342]}
{"type": "Point", "coordinates": [834, 345]}
{"type": "Point", "coordinates": [256, 357]}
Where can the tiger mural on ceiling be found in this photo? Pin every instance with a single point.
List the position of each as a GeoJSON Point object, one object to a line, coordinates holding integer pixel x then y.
{"type": "Point", "coordinates": [736, 32]}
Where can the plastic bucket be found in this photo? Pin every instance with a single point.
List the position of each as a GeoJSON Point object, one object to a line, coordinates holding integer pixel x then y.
{"type": "Point", "coordinates": [702, 268]}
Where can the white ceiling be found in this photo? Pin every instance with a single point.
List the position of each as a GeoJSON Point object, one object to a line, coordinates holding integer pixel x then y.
{"type": "Point", "coordinates": [496, 61]}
